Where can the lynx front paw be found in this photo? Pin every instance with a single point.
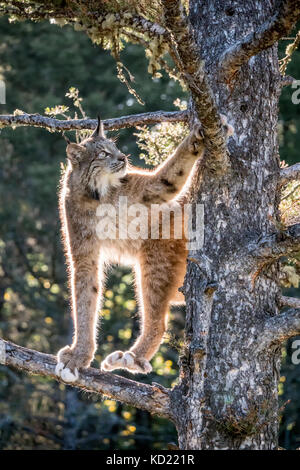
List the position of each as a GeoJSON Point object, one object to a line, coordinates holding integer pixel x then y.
{"type": "Point", "coordinates": [69, 360]}
{"type": "Point", "coordinates": [126, 360]}
{"type": "Point", "coordinates": [66, 373]}
{"type": "Point", "coordinates": [195, 139]}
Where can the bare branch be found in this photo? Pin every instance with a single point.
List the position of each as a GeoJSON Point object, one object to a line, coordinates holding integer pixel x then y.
{"type": "Point", "coordinates": [141, 24]}
{"type": "Point", "coordinates": [278, 329]}
{"type": "Point", "coordinates": [52, 124]}
{"type": "Point", "coordinates": [285, 301]}
{"type": "Point", "coordinates": [276, 245]}
{"type": "Point", "coordinates": [154, 399]}
{"type": "Point", "coordinates": [262, 38]}
{"type": "Point", "coordinates": [183, 50]}
{"type": "Point", "coordinates": [287, 80]}
{"type": "Point", "coordinates": [295, 188]}
{"type": "Point", "coordinates": [73, 13]}
{"type": "Point", "coordinates": [289, 173]}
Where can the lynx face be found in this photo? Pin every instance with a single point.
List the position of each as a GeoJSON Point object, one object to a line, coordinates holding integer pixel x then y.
{"type": "Point", "coordinates": [97, 164]}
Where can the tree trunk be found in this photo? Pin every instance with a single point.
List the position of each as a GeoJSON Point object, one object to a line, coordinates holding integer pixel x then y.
{"type": "Point", "coordinates": [228, 390]}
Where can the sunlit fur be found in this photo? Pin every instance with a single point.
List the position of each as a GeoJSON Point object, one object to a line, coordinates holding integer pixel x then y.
{"type": "Point", "coordinates": [159, 264]}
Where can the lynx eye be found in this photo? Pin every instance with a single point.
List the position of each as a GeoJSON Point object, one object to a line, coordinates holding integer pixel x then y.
{"type": "Point", "coordinates": [102, 154]}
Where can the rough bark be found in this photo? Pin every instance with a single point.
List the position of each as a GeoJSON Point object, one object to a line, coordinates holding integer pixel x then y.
{"type": "Point", "coordinates": [271, 30]}
{"type": "Point", "coordinates": [289, 301]}
{"type": "Point", "coordinates": [228, 392]}
{"type": "Point", "coordinates": [191, 65]}
{"type": "Point", "coordinates": [277, 329]}
{"type": "Point", "coordinates": [287, 80]}
{"type": "Point", "coordinates": [274, 245]}
{"type": "Point", "coordinates": [71, 11]}
{"type": "Point", "coordinates": [289, 173]}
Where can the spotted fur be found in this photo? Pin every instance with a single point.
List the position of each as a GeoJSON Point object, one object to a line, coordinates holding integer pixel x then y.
{"type": "Point", "coordinates": [99, 173]}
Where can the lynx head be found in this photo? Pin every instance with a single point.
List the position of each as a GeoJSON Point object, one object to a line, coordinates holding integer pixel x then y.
{"type": "Point", "coordinates": [96, 163]}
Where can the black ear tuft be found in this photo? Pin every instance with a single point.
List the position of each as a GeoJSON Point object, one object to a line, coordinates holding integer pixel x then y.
{"type": "Point", "coordinates": [99, 131]}
{"type": "Point", "coordinates": [96, 132]}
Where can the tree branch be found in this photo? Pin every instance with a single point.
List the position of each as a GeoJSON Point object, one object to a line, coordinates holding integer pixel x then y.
{"type": "Point", "coordinates": [264, 37]}
{"type": "Point", "coordinates": [154, 399]}
{"type": "Point", "coordinates": [285, 301]}
{"type": "Point", "coordinates": [278, 329]}
{"type": "Point", "coordinates": [52, 124]}
{"type": "Point", "coordinates": [73, 13]}
{"type": "Point", "coordinates": [289, 173]}
{"type": "Point", "coordinates": [276, 245]}
{"type": "Point", "coordinates": [183, 50]}
{"type": "Point", "coordinates": [287, 80]}
{"type": "Point", "coordinates": [141, 24]}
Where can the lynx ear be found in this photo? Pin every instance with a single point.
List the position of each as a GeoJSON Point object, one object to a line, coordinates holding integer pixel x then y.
{"type": "Point", "coordinates": [74, 153]}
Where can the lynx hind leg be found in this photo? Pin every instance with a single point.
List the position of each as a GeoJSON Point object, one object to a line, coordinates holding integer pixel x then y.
{"type": "Point", "coordinates": [156, 282]}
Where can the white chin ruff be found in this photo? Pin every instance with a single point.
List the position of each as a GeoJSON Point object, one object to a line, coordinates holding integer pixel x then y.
{"type": "Point", "coordinates": [105, 180]}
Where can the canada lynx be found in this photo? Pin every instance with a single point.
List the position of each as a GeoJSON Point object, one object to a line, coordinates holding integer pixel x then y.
{"type": "Point", "coordinates": [98, 173]}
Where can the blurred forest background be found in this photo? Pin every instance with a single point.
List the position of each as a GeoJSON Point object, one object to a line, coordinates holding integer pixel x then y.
{"type": "Point", "coordinates": [40, 63]}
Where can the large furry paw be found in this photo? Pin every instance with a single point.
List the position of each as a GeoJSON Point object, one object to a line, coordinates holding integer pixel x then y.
{"type": "Point", "coordinates": [126, 360]}
{"type": "Point", "coordinates": [229, 130]}
{"type": "Point", "coordinates": [195, 139]}
{"type": "Point", "coordinates": [69, 360]}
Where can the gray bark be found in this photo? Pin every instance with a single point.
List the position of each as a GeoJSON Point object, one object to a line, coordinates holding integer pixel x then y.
{"type": "Point", "coordinates": [289, 173]}
{"type": "Point", "coordinates": [228, 391]}
{"type": "Point", "coordinates": [52, 124]}
{"type": "Point", "coordinates": [278, 22]}
{"type": "Point", "coordinates": [289, 302]}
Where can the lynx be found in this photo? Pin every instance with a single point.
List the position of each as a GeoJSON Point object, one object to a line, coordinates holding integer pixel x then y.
{"type": "Point", "coordinates": [99, 173]}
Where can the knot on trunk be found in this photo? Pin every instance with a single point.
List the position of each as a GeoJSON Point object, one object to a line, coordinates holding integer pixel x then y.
{"type": "Point", "coordinates": [237, 424]}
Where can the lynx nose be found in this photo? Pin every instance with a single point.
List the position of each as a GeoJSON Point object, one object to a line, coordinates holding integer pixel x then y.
{"type": "Point", "coordinates": [122, 158]}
